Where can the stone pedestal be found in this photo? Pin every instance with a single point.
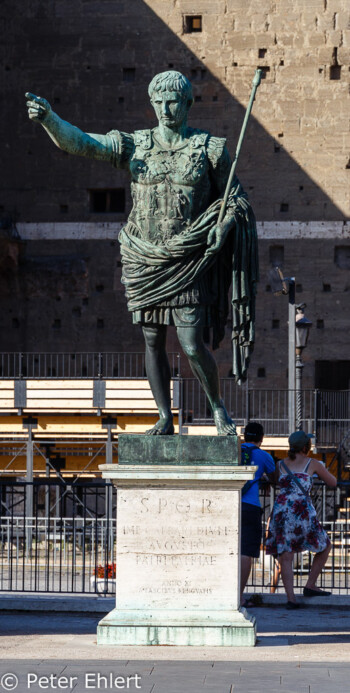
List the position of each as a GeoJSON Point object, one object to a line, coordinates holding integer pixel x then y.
{"type": "Point", "coordinates": [178, 536]}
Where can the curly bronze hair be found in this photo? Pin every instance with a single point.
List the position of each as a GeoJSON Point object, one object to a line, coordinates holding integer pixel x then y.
{"type": "Point", "coordinates": [171, 81]}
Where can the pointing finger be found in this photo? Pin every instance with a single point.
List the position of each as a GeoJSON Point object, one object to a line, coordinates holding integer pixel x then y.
{"type": "Point", "coordinates": [30, 96]}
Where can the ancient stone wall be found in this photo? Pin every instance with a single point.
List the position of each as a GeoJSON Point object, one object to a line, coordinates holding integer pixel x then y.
{"type": "Point", "coordinates": [93, 62]}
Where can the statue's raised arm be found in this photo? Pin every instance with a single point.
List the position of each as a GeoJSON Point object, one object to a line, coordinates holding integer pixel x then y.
{"type": "Point", "coordinates": [66, 136]}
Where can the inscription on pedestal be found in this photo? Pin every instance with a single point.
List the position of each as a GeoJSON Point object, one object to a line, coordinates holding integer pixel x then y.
{"type": "Point", "coordinates": [177, 549]}
{"type": "Point", "coordinates": [178, 450]}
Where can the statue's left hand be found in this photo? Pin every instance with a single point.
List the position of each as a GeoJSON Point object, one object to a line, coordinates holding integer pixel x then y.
{"type": "Point", "coordinates": [216, 238]}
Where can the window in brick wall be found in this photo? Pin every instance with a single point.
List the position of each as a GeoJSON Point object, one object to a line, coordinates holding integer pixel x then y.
{"type": "Point", "coordinates": [332, 375]}
{"type": "Point", "coordinates": [320, 324]}
{"type": "Point", "coordinates": [335, 72]}
{"type": "Point", "coordinates": [342, 256]}
{"type": "Point", "coordinates": [261, 373]}
{"type": "Point", "coordinates": [276, 255]}
{"type": "Point", "coordinates": [192, 23]}
{"type": "Point", "coordinates": [275, 324]}
{"type": "Point", "coordinates": [327, 288]}
{"type": "Point", "coordinates": [111, 200]}
{"type": "Point", "coordinates": [262, 52]}
{"type": "Point", "coordinates": [129, 74]}
{"type": "Point", "coordinates": [335, 68]}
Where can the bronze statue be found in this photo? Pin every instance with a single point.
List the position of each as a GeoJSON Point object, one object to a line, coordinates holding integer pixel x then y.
{"type": "Point", "coordinates": [178, 261]}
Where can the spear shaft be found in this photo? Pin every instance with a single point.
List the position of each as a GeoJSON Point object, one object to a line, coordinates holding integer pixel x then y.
{"type": "Point", "coordinates": [255, 84]}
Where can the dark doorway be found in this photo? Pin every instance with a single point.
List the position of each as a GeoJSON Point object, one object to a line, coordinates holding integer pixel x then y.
{"type": "Point", "coordinates": [332, 375]}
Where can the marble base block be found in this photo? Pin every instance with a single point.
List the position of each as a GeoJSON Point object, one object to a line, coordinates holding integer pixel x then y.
{"type": "Point", "coordinates": [178, 563]}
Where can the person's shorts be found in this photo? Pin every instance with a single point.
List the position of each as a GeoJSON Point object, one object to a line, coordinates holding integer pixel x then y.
{"type": "Point", "coordinates": [251, 530]}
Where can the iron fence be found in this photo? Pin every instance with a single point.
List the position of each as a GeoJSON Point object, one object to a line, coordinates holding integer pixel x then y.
{"type": "Point", "coordinates": [326, 413]}
{"type": "Point", "coordinates": [333, 511]}
{"type": "Point", "coordinates": [78, 365]}
{"type": "Point", "coordinates": [196, 408]}
{"type": "Point", "coordinates": [68, 544]}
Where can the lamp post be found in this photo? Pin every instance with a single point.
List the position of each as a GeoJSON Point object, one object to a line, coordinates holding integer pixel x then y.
{"type": "Point", "coordinates": [298, 332]}
{"type": "Point", "coordinates": [302, 325]}
{"type": "Point", "coordinates": [286, 285]}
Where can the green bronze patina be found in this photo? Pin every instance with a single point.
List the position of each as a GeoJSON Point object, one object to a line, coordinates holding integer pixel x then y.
{"type": "Point", "coordinates": [178, 261]}
{"type": "Point", "coordinates": [179, 450]}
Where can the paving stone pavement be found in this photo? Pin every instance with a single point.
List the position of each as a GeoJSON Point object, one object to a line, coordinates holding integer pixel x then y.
{"type": "Point", "coordinates": [306, 651]}
{"type": "Point", "coordinates": [174, 677]}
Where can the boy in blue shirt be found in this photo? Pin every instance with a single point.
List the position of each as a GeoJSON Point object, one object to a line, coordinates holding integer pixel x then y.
{"type": "Point", "coordinates": [251, 527]}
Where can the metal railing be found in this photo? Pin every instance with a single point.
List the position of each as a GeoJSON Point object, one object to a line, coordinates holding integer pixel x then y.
{"type": "Point", "coordinates": [333, 510]}
{"type": "Point", "coordinates": [68, 544]}
{"type": "Point", "coordinates": [78, 365]}
{"type": "Point", "coordinates": [326, 413]}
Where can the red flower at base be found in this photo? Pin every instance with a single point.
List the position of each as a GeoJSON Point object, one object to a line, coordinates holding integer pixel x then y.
{"type": "Point", "coordinates": [106, 571]}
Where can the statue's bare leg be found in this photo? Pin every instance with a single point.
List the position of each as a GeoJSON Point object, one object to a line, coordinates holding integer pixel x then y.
{"type": "Point", "coordinates": [159, 376]}
{"type": "Point", "coordinates": [205, 369]}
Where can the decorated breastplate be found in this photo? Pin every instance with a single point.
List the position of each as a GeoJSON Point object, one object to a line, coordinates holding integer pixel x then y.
{"type": "Point", "coordinates": [170, 186]}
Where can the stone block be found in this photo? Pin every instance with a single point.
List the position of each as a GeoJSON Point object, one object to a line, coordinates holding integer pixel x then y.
{"type": "Point", "coordinates": [334, 38]}
{"type": "Point", "coordinates": [178, 450]}
{"type": "Point", "coordinates": [344, 55]}
{"type": "Point", "coordinates": [177, 556]}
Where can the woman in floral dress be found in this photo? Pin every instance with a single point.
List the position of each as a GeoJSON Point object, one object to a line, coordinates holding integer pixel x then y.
{"type": "Point", "coordinates": [294, 526]}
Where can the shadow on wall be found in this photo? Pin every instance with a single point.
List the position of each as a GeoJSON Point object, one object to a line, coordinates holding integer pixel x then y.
{"type": "Point", "coordinates": [93, 62]}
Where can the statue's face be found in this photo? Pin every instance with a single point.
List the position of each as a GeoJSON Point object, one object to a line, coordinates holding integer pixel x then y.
{"type": "Point", "coordinates": [171, 108]}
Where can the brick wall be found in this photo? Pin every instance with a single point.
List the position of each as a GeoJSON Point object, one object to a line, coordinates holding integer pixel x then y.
{"type": "Point", "coordinates": [93, 61]}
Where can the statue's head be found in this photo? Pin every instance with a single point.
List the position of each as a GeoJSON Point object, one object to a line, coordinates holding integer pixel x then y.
{"type": "Point", "coordinates": [171, 96]}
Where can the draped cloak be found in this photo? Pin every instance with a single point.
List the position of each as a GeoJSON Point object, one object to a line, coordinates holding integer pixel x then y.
{"type": "Point", "coordinates": [154, 273]}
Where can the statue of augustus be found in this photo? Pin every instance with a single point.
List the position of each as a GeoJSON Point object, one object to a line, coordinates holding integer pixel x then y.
{"type": "Point", "coordinates": [178, 261]}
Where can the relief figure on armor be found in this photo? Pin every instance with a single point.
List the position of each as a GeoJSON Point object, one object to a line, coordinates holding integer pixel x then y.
{"type": "Point", "coordinates": [178, 261]}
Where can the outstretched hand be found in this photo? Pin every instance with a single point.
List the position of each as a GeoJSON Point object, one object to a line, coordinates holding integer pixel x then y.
{"type": "Point", "coordinates": [38, 108]}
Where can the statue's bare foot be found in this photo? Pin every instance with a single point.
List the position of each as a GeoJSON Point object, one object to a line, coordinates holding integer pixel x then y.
{"type": "Point", "coordinates": [163, 427]}
{"type": "Point", "coordinates": [224, 424]}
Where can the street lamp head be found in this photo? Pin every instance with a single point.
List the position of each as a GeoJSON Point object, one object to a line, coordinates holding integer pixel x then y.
{"type": "Point", "coordinates": [302, 324]}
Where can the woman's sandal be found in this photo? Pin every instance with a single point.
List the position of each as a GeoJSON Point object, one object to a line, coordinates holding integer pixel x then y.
{"type": "Point", "coordinates": [309, 592]}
